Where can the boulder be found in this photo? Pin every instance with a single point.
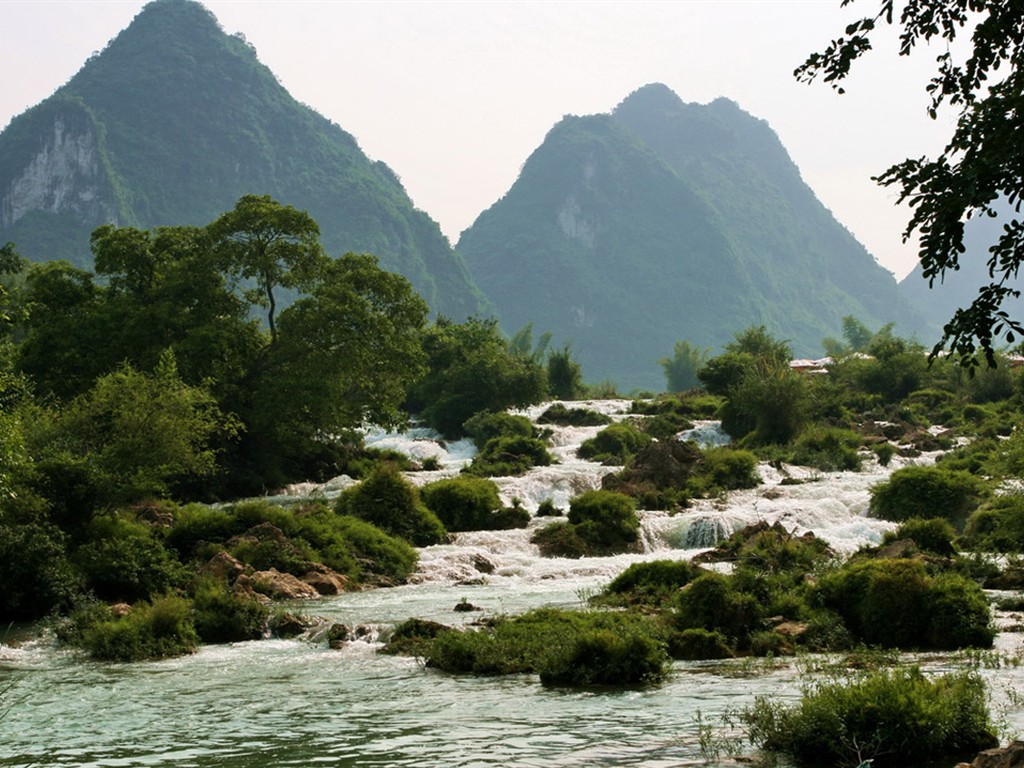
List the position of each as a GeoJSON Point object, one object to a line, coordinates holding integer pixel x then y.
{"type": "Point", "coordinates": [223, 566]}
{"type": "Point", "coordinates": [482, 564]}
{"type": "Point", "coordinates": [278, 586]}
{"type": "Point", "coordinates": [337, 636]}
{"type": "Point", "coordinates": [287, 625]}
{"type": "Point", "coordinates": [1011, 756]}
{"type": "Point", "coordinates": [895, 550]}
{"type": "Point", "coordinates": [326, 581]}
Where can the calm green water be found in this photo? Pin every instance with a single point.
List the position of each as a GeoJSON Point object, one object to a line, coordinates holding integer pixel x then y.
{"type": "Point", "coordinates": [293, 703]}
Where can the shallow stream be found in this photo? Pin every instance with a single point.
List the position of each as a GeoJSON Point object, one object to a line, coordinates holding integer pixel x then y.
{"type": "Point", "coordinates": [297, 703]}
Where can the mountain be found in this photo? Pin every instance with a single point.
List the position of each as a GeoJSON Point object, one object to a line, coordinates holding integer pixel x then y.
{"type": "Point", "coordinates": [664, 221]}
{"type": "Point", "coordinates": [957, 289]}
{"type": "Point", "coordinates": [171, 124]}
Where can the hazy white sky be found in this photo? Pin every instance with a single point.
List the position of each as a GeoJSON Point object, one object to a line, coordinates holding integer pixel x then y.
{"type": "Point", "coordinates": [455, 95]}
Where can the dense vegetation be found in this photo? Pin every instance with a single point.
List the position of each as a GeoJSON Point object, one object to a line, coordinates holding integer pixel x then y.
{"type": "Point", "coordinates": [177, 372]}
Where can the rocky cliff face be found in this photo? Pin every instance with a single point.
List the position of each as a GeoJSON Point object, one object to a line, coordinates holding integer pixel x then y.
{"type": "Point", "coordinates": [65, 174]}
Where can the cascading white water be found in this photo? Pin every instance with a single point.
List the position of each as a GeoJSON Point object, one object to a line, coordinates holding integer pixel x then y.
{"type": "Point", "coordinates": [295, 703]}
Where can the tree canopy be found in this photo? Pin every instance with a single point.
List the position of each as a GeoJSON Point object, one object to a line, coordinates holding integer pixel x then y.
{"type": "Point", "coordinates": [983, 162]}
{"type": "Point", "coordinates": [341, 354]}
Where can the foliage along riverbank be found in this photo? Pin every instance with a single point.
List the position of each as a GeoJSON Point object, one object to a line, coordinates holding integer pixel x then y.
{"type": "Point", "coordinates": [152, 380]}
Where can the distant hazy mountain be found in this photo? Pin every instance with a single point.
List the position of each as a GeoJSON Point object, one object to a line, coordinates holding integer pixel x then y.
{"type": "Point", "coordinates": [663, 221]}
{"type": "Point", "coordinates": [171, 124]}
{"type": "Point", "coordinates": [958, 289]}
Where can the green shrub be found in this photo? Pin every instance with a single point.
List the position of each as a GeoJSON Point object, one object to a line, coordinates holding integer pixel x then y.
{"type": "Point", "coordinates": [547, 508]}
{"type": "Point", "coordinates": [123, 561]}
{"type": "Point", "coordinates": [998, 526]}
{"type": "Point", "coordinates": [827, 449]}
{"type": "Point", "coordinates": [767, 548]}
{"type": "Point", "coordinates": [515, 516]}
{"type": "Point", "coordinates": [693, 404]}
{"type": "Point", "coordinates": [486, 426]}
{"type": "Point", "coordinates": [666, 426]}
{"type": "Point", "coordinates": [695, 644]}
{"type": "Point", "coordinates": [387, 501]}
{"type": "Point", "coordinates": [156, 630]}
{"type": "Point", "coordinates": [884, 452]}
{"type": "Point", "coordinates": [728, 469]}
{"type": "Point", "coordinates": [222, 616]}
{"type": "Point", "coordinates": [826, 632]}
{"type": "Point", "coordinates": [614, 444]}
{"type": "Point", "coordinates": [650, 583]}
{"type": "Point", "coordinates": [531, 642]}
{"type": "Point", "coordinates": [380, 557]}
{"type": "Point", "coordinates": [560, 540]}
{"type": "Point", "coordinates": [769, 643]}
{"type": "Point", "coordinates": [891, 717]}
{"type": "Point", "coordinates": [509, 457]}
{"type": "Point", "coordinates": [927, 492]}
{"type": "Point", "coordinates": [412, 637]}
{"type": "Point", "coordinates": [265, 546]}
{"type": "Point", "coordinates": [896, 604]}
{"type": "Point", "coordinates": [713, 603]}
{"type": "Point", "coordinates": [604, 522]}
{"type": "Point", "coordinates": [36, 576]}
{"type": "Point", "coordinates": [935, 535]}
{"type": "Point", "coordinates": [606, 657]}
{"type": "Point", "coordinates": [559, 414]}
{"type": "Point", "coordinates": [198, 523]}
{"type": "Point", "coordinates": [463, 503]}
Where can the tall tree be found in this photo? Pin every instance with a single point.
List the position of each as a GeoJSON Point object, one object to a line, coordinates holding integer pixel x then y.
{"type": "Point", "coordinates": [981, 165]}
{"type": "Point", "coordinates": [273, 245]}
{"type": "Point", "coordinates": [681, 369]}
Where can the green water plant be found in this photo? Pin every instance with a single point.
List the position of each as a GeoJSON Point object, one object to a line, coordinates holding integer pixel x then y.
{"type": "Point", "coordinates": [885, 718]}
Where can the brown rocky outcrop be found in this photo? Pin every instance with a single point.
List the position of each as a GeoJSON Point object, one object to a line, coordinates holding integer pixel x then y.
{"type": "Point", "coordinates": [276, 585]}
{"type": "Point", "coordinates": [659, 466]}
{"type": "Point", "coordinates": [326, 581]}
{"type": "Point", "coordinates": [223, 566]}
{"type": "Point", "coordinates": [1011, 756]}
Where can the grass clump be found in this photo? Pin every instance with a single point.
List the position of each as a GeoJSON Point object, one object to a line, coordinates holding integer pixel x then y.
{"type": "Point", "coordinates": [891, 717]}
{"type": "Point", "coordinates": [898, 604]}
{"type": "Point", "coordinates": [463, 503]}
{"type": "Point", "coordinates": [151, 630]}
{"type": "Point", "coordinates": [606, 657]}
{"type": "Point", "coordinates": [651, 583]}
{"type": "Point", "coordinates": [559, 414]}
{"type": "Point", "coordinates": [926, 492]}
{"type": "Point", "coordinates": [222, 616]}
{"type": "Point", "coordinates": [564, 647]}
{"type": "Point", "coordinates": [486, 426]}
{"type": "Point", "coordinates": [600, 523]}
{"type": "Point", "coordinates": [828, 449]}
{"type": "Point", "coordinates": [510, 457]}
{"type": "Point", "coordinates": [934, 536]}
{"type": "Point", "coordinates": [998, 526]}
{"type": "Point", "coordinates": [389, 502]}
{"type": "Point", "coordinates": [615, 444]}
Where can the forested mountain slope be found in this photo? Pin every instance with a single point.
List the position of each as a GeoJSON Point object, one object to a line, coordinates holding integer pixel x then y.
{"type": "Point", "coordinates": [665, 220]}
{"type": "Point", "coordinates": [171, 124]}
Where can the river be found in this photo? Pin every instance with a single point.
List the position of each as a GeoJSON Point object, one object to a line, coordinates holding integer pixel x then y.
{"type": "Point", "coordinates": [297, 703]}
